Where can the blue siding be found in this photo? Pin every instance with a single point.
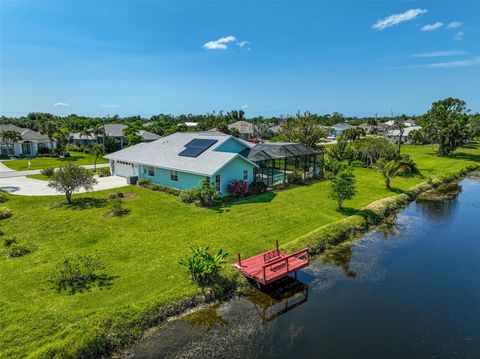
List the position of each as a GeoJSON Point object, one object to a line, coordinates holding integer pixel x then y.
{"type": "Point", "coordinates": [231, 145]}
{"type": "Point", "coordinates": [162, 177]}
{"type": "Point", "coordinates": [234, 170]}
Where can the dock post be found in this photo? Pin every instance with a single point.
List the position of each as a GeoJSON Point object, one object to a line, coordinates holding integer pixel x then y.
{"type": "Point", "coordinates": [276, 244]}
{"type": "Point", "coordinates": [239, 260]}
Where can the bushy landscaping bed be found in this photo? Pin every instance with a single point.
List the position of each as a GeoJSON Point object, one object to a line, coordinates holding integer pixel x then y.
{"type": "Point", "coordinates": [141, 252]}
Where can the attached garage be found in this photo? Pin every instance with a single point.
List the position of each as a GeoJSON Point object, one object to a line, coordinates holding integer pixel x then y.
{"type": "Point", "coordinates": [124, 168]}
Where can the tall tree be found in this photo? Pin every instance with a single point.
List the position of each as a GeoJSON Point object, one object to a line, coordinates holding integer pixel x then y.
{"type": "Point", "coordinates": [303, 128]}
{"type": "Point", "coordinates": [48, 126]}
{"type": "Point", "coordinates": [96, 150]}
{"type": "Point", "coordinates": [96, 130]}
{"type": "Point", "coordinates": [447, 123]}
{"type": "Point", "coordinates": [399, 126]}
{"type": "Point", "coordinates": [63, 137]}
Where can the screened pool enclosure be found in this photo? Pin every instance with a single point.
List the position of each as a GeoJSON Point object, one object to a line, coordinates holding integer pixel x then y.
{"type": "Point", "coordinates": [279, 159]}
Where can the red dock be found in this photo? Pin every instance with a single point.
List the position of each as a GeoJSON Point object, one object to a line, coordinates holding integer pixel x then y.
{"type": "Point", "coordinates": [267, 267]}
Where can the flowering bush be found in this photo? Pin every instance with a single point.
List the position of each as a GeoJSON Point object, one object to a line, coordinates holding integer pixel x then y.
{"type": "Point", "coordinates": [237, 189]}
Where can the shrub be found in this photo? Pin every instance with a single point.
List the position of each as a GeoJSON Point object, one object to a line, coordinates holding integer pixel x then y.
{"type": "Point", "coordinates": [43, 150]}
{"type": "Point", "coordinates": [76, 272]}
{"type": "Point", "coordinates": [237, 189]}
{"type": "Point", "coordinates": [113, 195]}
{"type": "Point", "coordinates": [203, 196]}
{"type": "Point", "coordinates": [7, 242]}
{"type": "Point", "coordinates": [117, 207]}
{"type": "Point", "coordinates": [370, 150]}
{"type": "Point", "coordinates": [104, 172]}
{"type": "Point", "coordinates": [143, 182]}
{"type": "Point", "coordinates": [406, 166]}
{"type": "Point", "coordinates": [16, 250]}
{"type": "Point", "coordinates": [203, 266]}
{"type": "Point", "coordinates": [48, 172]}
{"type": "Point", "coordinates": [3, 198]}
{"type": "Point", "coordinates": [66, 155]}
{"type": "Point", "coordinates": [256, 188]}
{"type": "Point", "coordinates": [5, 212]}
{"type": "Point", "coordinates": [295, 177]}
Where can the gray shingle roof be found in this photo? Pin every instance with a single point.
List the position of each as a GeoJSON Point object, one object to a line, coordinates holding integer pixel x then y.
{"type": "Point", "coordinates": [342, 126]}
{"type": "Point", "coordinates": [26, 133]}
{"type": "Point", "coordinates": [163, 153]}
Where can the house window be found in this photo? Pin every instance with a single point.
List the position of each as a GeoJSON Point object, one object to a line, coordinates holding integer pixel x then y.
{"type": "Point", "coordinates": [174, 176]}
{"type": "Point", "coordinates": [245, 175]}
{"type": "Point", "coordinates": [151, 171]}
{"type": "Point", "coordinates": [217, 182]}
{"type": "Point", "coordinates": [207, 181]}
{"type": "Point", "coordinates": [26, 148]}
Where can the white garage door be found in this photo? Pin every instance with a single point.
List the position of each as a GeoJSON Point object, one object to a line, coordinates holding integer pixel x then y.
{"type": "Point", "coordinates": [126, 169]}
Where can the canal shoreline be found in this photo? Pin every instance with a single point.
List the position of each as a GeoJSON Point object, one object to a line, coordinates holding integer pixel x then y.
{"type": "Point", "coordinates": [319, 240]}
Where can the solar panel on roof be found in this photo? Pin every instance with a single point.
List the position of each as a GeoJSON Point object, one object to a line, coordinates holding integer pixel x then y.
{"type": "Point", "coordinates": [192, 151]}
{"type": "Point", "coordinates": [201, 142]}
{"type": "Point", "coordinates": [196, 147]}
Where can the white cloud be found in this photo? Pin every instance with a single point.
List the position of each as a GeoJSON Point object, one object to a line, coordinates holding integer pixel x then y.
{"type": "Point", "coordinates": [459, 36]}
{"type": "Point", "coordinates": [61, 104]}
{"type": "Point", "coordinates": [455, 25]}
{"type": "Point", "coordinates": [440, 53]}
{"type": "Point", "coordinates": [106, 105]}
{"type": "Point", "coordinates": [244, 107]}
{"type": "Point", "coordinates": [475, 61]}
{"type": "Point", "coordinates": [219, 44]}
{"type": "Point", "coordinates": [243, 43]}
{"type": "Point", "coordinates": [397, 18]}
{"type": "Point", "coordinates": [432, 27]}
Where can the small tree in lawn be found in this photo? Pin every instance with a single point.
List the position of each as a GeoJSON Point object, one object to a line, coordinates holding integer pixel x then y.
{"type": "Point", "coordinates": [70, 179]}
{"type": "Point", "coordinates": [388, 169]}
{"type": "Point", "coordinates": [343, 186]}
{"type": "Point", "coordinates": [96, 150]}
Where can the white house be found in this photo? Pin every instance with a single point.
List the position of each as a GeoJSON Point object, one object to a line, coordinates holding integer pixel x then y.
{"type": "Point", "coordinates": [30, 145]}
{"type": "Point", "coordinates": [393, 135]}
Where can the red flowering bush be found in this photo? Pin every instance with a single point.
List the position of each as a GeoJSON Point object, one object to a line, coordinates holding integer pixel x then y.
{"type": "Point", "coordinates": [237, 189]}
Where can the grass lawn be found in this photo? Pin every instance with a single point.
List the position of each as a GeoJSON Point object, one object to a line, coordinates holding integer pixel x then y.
{"type": "Point", "coordinates": [41, 177]}
{"type": "Point", "coordinates": [77, 158]}
{"type": "Point", "coordinates": [143, 248]}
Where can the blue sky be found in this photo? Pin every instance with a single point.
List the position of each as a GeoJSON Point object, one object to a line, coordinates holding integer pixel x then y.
{"type": "Point", "coordinates": [267, 57]}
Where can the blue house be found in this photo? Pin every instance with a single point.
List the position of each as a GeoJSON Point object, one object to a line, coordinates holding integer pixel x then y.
{"type": "Point", "coordinates": [339, 129]}
{"type": "Point", "coordinates": [186, 159]}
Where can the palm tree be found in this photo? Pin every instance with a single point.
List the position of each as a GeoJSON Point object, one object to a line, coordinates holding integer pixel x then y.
{"type": "Point", "coordinates": [97, 129]}
{"type": "Point", "coordinates": [48, 127]}
{"type": "Point", "coordinates": [388, 169]}
{"type": "Point", "coordinates": [85, 132]}
{"type": "Point", "coordinates": [96, 150]}
{"type": "Point", "coordinates": [63, 138]}
{"type": "Point", "coordinates": [10, 136]}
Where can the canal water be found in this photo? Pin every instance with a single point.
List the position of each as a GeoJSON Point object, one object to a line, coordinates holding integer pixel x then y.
{"type": "Point", "coordinates": [410, 290]}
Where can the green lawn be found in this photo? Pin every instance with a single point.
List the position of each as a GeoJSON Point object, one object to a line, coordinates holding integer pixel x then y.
{"type": "Point", "coordinates": [143, 248]}
{"type": "Point", "coordinates": [78, 158]}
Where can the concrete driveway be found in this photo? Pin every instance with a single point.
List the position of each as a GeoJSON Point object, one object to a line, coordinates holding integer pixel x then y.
{"type": "Point", "coordinates": [25, 186]}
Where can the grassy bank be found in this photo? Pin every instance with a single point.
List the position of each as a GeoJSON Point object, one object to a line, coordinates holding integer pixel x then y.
{"type": "Point", "coordinates": [38, 163]}
{"type": "Point", "coordinates": [142, 249]}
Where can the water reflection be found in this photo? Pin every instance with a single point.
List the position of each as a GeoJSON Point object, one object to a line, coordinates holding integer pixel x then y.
{"type": "Point", "coordinates": [278, 298]}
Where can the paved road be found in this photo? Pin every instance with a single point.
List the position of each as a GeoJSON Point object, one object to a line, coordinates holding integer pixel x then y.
{"type": "Point", "coordinates": [25, 186]}
{"type": "Point", "coordinates": [6, 172]}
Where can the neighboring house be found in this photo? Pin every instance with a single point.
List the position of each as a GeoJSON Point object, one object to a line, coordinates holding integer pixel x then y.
{"type": "Point", "coordinates": [113, 130]}
{"type": "Point", "coordinates": [30, 145]}
{"type": "Point", "coordinates": [245, 129]}
{"type": "Point", "coordinates": [275, 129]}
{"type": "Point", "coordinates": [339, 129]}
{"type": "Point", "coordinates": [393, 135]}
{"type": "Point", "coordinates": [186, 159]}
